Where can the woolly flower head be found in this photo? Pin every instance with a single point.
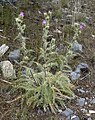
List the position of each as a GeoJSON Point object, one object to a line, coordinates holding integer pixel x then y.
{"type": "Point", "coordinates": [82, 26]}
{"type": "Point", "coordinates": [21, 14]}
{"type": "Point", "coordinates": [44, 22]}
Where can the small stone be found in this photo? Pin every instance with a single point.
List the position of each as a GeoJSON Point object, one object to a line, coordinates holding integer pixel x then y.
{"type": "Point", "coordinates": [74, 117]}
{"type": "Point", "coordinates": [93, 36]}
{"type": "Point", "coordinates": [81, 90]}
{"type": "Point", "coordinates": [3, 49]}
{"type": "Point", "coordinates": [93, 101]}
{"type": "Point", "coordinates": [81, 102]}
{"type": "Point", "coordinates": [7, 69]}
{"type": "Point", "coordinates": [40, 112]}
{"type": "Point", "coordinates": [89, 118]}
{"type": "Point", "coordinates": [77, 70]}
{"type": "Point", "coordinates": [76, 47]}
{"type": "Point", "coordinates": [59, 110]}
{"type": "Point", "coordinates": [55, 1]}
{"type": "Point", "coordinates": [74, 75]}
{"type": "Point", "coordinates": [14, 55]}
{"type": "Point", "coordinates": [87, 91]}
{"type": "Point", "coordinates": [84, 110]}
{"type": "Point", "coordinates": [86, 103]}
{"type": "Point", "coordinates": [92, 111]}
{"type": "Point", "coordinates": [67, 112]}
{"type": "Point", "coordinates": [83, 66]}
{"type": "Point", "coordinates": [8, 1]}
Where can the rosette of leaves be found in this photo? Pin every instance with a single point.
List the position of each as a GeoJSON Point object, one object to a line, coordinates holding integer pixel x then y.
{"type": "Point", "coordinates": [45, 90]}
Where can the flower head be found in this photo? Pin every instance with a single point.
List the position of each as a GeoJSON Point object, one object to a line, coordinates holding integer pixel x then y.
{"type": "Point", "coordinates": [44, 22]}
{"type": "Point", "coordinates": [21, 14]}
{"type": "Point", "coordinates": [82, 26]}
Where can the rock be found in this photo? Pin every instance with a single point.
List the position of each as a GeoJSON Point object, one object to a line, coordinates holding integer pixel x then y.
{"type": "Point", "coordinates": [89, 118]}
{"type": "Point", "coordinates": [84, 110]}
{"type": "Point", "coordinates": [92, 101]}
{"type": "Point", "coordinates": [7, 69]}
{"type": "Point", "coordinates": [77, 70]}
{"type": "Point", "coordinates": [74, 75]}
{"type": "Point", "coordinates": [59, 110]}
{"type": "Point", "coordinates": [56, 1]}
{"type": "Point", "coordinates": [76, 47]}
{"type": "Point", "coordinates": [74, 117]}
{"type": "Point", "coordinates": [81, 90]}
{"type": "Point", "coordinates": [81, 102]}
{"type": "Point", "coordinates": [3, 49]}
{"type": "Point", "coordinates": [92, 111]}
{"type": "Point", "coordinates": [67, 112]}
{"type": "Point", "coordinates": [8, 1]}
{"type": "Point", "coordinates": [40, 112]}
{"type": "Point", "coordinates": [14, 55]}
{"type": "Point", "coordinates": [89, 20]}
{"type": "Point", "coordinates": [83, 67]}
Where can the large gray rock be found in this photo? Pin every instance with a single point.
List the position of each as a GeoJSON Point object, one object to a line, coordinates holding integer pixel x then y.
{"type": "Point", "coordinates": [7, 69]}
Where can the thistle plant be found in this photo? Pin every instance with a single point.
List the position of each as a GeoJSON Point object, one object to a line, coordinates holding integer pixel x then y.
{"type": "Point", "coordinates": [74, 48]}
{"type": "Point", "coordinates": [51, 58]}
{"type": "Point", "coordinates": [21, 28]}
{"type": "Point", "coordinates": [77, 31]}
{"type": "Point", "coordinates": [22, 39]}
{"type": "Point", "coordinates": [47, 51]}
{"type": "Point", "coordinates": [43, 88]}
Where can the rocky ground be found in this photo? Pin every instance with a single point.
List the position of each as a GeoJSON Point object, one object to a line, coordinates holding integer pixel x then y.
{"type": "Point", "coordinates": [81, 108]}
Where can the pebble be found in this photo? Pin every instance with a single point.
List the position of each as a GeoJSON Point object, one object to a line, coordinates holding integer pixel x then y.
{"type": "Point", "coordinates": [84, 110]}
{"type": "Point", "coordinates": [77, 73]}
{"type": "Point", "coordinates": [81, 102]}
{"type": "Point", "coordinates": [14, 55]}
{"type": "Point", "coordinates": [92, 111]}
{"type": "Point", "coordinates": [74, 75]}
{"type": "Point", "coordinates": [10, 1]}
{"type": "Point", "coordinates": [3, 49]}
{"type": "Point", "coordinates": [83, 66]}
{"type": "Point", "coordinates": [67, 112]}
{"type": "Point", "coordinates": [74, 117]}
{"type": "Point", "coordinates": [81, 90]}
{"type": "Point", "coordinates": [76, 47]}
{"type": "Point", "coordinates": [89, 118]}
{"type": "Point", "coordinates": [92, 101]}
